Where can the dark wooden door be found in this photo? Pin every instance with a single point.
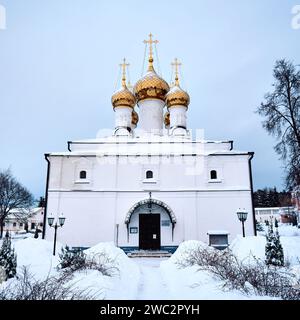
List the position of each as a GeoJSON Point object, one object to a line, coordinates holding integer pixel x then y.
{"type": "Point", "coordinates": [149, 231]}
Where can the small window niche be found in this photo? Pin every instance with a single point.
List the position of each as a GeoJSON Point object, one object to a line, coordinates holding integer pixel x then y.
{"type": "Point", "coordinates": [218, 239]}
{"type": "Point", "coordinates": [149, 177]}
{"type": "Point", "coordinates": [214, 176]}
{"type": "Point", "coordinates": [81, 177]}
{"type": "Point", "coordinates": [82, 174]}
{"type": "Point", "coordinates": [149, 174]}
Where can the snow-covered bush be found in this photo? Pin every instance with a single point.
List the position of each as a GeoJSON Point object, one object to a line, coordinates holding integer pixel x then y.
{"type": "Point", "coordinates": [26, 287]}
{"type": "Point", "coordinates": [251, 278]}
{"type": "Point", "coordinates": [273, 250]}
{"type": "Point", "coordinates": [72, 261]}
{"type": "Point", "coordinates": [8, 258]}
{"type": "Point", "coordinates": [259, 226]}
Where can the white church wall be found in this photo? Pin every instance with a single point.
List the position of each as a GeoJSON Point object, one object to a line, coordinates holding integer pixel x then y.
{"type": "Point", "coordinates": [91, 217]}
{"type": "Point", "coordinates": [94, 208]}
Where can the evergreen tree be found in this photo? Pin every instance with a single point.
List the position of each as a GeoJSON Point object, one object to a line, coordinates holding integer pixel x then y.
{"type": "Point", "coordinates": [71, 259]}
{"type": "Point", "coordinates": [8, 258]}
{"type": "Point", "coordinates": [275, 199]}
{"type": "Point", "coordinates": [259, 226]}
{"type": "Point", "coordinates": [276, 223]}
{"type": "Point", "coordinates": [36, 233]}
{"type": "Point", "coordinates": [41, 202]}
{"type": "Point", "coordinates": [273, 249]}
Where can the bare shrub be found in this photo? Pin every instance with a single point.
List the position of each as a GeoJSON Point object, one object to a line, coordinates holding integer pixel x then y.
{"type": "Point", "coordinates": [26, 287]}
{"type": "Point", "coordinates": [100, 262]}
{"type": "Point", "coordinates": [253, 277]}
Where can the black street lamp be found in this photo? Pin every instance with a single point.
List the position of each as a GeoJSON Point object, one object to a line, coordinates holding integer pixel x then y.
{"type": "Point", "coordinates": [61, 222]}
{"type": "Point", "coordinates": [242, 215]}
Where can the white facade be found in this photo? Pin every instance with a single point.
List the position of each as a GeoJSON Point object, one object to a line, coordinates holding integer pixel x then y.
{"type": "Point", "coordinates": [272, 213]}
{"type": "Point", "coordinates": [96, 207]}
{"type": "Point", "coordinates": [35, 220]}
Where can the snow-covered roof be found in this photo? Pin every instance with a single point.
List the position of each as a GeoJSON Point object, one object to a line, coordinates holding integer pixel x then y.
{"type": "Point", "coordinates": [217, 232]}
{"type": "Point", "coordinates": [32, 210]}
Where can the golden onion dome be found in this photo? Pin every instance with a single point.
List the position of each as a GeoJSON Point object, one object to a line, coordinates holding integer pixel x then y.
{"type": "Point", "coordinates": [177, 97]}
{"type": "Point", "coordinates": [123, 97]}
{"type": "Point", "coordinates": [167, 119]}
{"type": "Point", "coordinates": [151, 85]}
{"type": "Point", "coordinates": [134, 118]}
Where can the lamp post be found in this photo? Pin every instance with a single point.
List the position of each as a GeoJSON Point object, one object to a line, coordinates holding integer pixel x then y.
{"type": "Point", "coordinates": [57, 224]}
{"type": "Point", "coordinates": [242, 215]}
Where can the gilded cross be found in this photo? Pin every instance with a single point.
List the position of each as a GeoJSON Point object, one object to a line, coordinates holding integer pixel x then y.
{"type": "Point", "coordinates": [150, 42]}
{"type": "Point", "coordinates": [123, 66]}
{"type": "Point", "coordinates": [176, 64]}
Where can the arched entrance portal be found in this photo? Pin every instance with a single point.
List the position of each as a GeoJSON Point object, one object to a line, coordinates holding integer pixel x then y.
{"type": "Point", "coordinates": [150, 223]}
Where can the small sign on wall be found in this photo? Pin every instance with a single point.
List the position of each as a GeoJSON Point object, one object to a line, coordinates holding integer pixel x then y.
{"type": "Point", "coordinates": [165, 223]}
{"type": "Point", "coordinates": [133, 230]}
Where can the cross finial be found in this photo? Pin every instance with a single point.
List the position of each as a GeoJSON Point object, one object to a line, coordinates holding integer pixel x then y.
{"type": "Point", "coordinates": [176, 64]}
{"type": "Point", "coordinates": [129, 85]}
{"type": "Point", "coordinates": [123, 66]}
{"type": "Point", "coordinates": [150, 42]}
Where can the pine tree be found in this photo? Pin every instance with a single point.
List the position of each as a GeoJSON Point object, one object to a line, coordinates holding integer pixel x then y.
{"type": "Point", "coordinates": [71, 259]}
{"type": "Point", "coordinates": [273, 249]}
{"type": "Point", "coordinates": [267, 222]}
{"type": "Point", "coordinates": [8, 258]}
{"type": "Point", "coordinates": [259, 226]}
{"type": "Point", "coordinates": [36, 233]}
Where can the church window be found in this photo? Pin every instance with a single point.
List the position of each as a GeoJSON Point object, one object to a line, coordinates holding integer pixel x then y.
{"type": "Point", "coordinates": [82, 174]}
{"type": "Point", "coordinates": [213, 175]}
{"type": "Point", "coordinates": [149, 174]}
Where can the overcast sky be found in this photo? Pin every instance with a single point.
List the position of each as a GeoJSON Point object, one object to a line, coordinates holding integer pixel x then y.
{"type": "Point", "coordinates": [59, 64]}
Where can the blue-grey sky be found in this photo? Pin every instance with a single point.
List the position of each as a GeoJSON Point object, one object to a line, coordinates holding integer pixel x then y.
{"type": "Point", "coordinates": [59, 63]}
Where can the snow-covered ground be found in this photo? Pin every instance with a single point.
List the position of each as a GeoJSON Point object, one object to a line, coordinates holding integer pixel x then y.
{"type": "Point", "coordinates": [152, 285]}
{"type": "Point", "coordinates": [152, 278]}
{"type": "Point", "coordinates": [122, 285]}
{"type": "Point", "coordinates": [190, 283]}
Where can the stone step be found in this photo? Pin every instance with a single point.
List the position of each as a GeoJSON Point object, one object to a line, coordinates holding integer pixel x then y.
{"type": "Point", "coordinates": [149, 254]}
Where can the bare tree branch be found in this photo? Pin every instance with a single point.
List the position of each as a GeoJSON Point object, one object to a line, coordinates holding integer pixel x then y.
{"type": "Point", "coordinates": [281, 112]}
{"type": "Point", "coordinates": [15, 199]}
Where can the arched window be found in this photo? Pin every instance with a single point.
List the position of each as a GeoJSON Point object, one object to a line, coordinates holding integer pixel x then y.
{"type": "Point", "coordinates": [213, 175]}
{"type": "Point", "coordinates": [149, 174]}
{"type": "Point", "coordinates": [82, 175]}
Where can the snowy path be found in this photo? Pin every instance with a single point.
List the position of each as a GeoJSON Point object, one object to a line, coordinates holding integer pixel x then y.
{"type": "Point", "coordinates": [152, 286]}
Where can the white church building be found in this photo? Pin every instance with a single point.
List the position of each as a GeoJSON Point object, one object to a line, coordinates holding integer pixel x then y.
{"type": "Point", "coordinates": [149, 185]}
